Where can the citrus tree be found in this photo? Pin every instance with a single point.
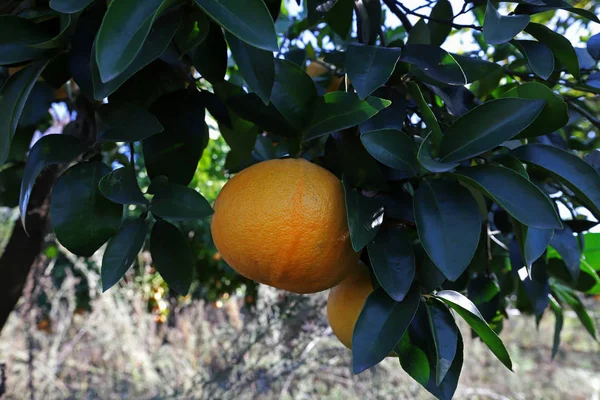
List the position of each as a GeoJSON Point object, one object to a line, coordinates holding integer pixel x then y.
{"type": "Point", "coordinates": [466, 182]}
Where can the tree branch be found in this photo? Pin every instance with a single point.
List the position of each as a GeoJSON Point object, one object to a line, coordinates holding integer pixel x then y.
{"type": "Point", "coordinates": [403, 18]}
{"type": "Point", "coordinates": [440, 21]}
{"type": "Point", "coordinates": [586, 114]}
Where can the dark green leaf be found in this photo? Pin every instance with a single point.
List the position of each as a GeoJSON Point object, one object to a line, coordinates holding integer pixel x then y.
{"type": "Point", "coordinates": [293, 92]}
{"type": "Point", "coordinates": [38, 103]}
{"type": "Point", "coordinates": [120, 186]}
{"type": "Point", "coordinates": [427, 160]}
{"type": "Point", "coordinates": [392, 148]}
{"type": "Point", "coordinates": [249, 20]}
{"type": "Point", "coordinates": [123, 31]}
{"type": "Point", "coordinates": [586, 280]}
{"type": "Point", "coordinates": [13, 97]}
{"type": "Point", "coordinates": [419, 34]}
{"type": "Point", "coordinates": [125, 123]}
{"type": "Point", "coordinates": [16, 37]}
{"type": "Point", "coordinates": [69, 6]}
{"type": "Point", "coordinates": [554, 115]}
{"type": "Point", "coordinates": [365, 216]}
{"type": "Point", "coordinates": [368, 12]}
{"type": "Point", "coordinates": [427, 115]}
{"type": "Point", "coordinates": [537, 287]}
{"type": "Point", "coordinates": [50, 149]}
{"type": "Point", "coordinates": [172, 256]}
{"type": "Point", "coordinates": [567, 246]}
{"type": "Point", "coordinates": [445, 337]}
{"type": "Point", "coordinates": [379, 327]}
{"type": "Point", "coordinates": [415, 362]}
{"type": "Point", "coordinates": [539, 56]}
{"type": "Point", "coordinates": [435, 63]}
{"type": "Point", "coordinates": [339, 18]}
{"type": "Point", "coordinates": [438, 32]}
{"type": "Point", "coordinates": [565, 294]}
{"type": "Point", "coordinates": [533, 8]}
{"type": "Point", "coordinates": [513, 163]}
{"type": "Point", "coordinates": [67, 26]}
{"type": "Point", "coordinates": [340, 110]}
{"type": "Point", "coordinates": [488, 126]}
{"type": "Point", "coordinates": [256, 67]}
{"type": "Point", "coordinates": [475, 68]}
{"type": "Point", "coordinates": [560, 46]}
{"type": "Point", "coordinates": [390, 117]}
{"type": "Point", "coordinates": [175, 152]}
{"type": "Point", "coordinates": [250, 107]}
{"type": "Point", "coordinates": [483, 288]}
{"type": "Point", "coordinates": [156, 43]}
{"type": "Point", "coordinates": [531, 208]}
{"type": "Point", "coordinates": [192, 31]}
{"type": "Point", "coordinates": [210, 56]}
{"type": "Point", "coordinates": [393, 261]}
{"type": "Point", "coordinates": [83, 219]}
{"type": "Point", "coordinates": [448, 223]}
{"type": "Point", "coordinates": [467, 310]}
{"type": "Point", "coordinates": [498, 29]}
{"type": "Point", "coordinates": [369, 67]}
{"type": "Point", "coordinates": [575, 173]}
{"type": "Point", "coordinates": [593, 46]}
{"type": "Point", "coordinates": [558, 315]}
{"type": "Point", "coordinates": [121, 251]}
{"type": "Point", "coordinates": [178, 203]}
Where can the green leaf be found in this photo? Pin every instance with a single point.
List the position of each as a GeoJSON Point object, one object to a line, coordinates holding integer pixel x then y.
{"type": "Point", "coordinates": [498, 29]}
{"type": "Point", "coordinates": [568, 247]}
{"type": "Point", "coordinates": [531, 207]}
{"type": "Point", "coordinates": [340, 110]}
{"type": "Point", "coordinates": [192, 31]}
{"type": "Point", "coordinates": [175, 151]}
{"type": "Point", "coordinates": [67, 26]}
{"type": "Point", "coordinates": [83, 219]}
{"type": "Point", "coordinates": [575, 173]}
{"type": "Point", "coordinates": [415, 362]}
{"type": "Point", "coordinates": [483, 288]}
{"type": "Point", "coordinates": [368, 12]}
{"type": "Point", "coordinates": [560, 46]}
{"type": "Point", "coordinates": [156, 43]}
{"type": "Point", "coordinates": [380, 326]}
{"type": "Point", "coordinates": [487, 126]}
{"type": "Point", "coordinates": [38, 103]}
{"type": "Point", "coordinates": [535, 8]}
{"type": "Point", "coordinates": [536, 241]}
{"type": "Point", "coordinates": [172, 256]}
{"type": "Point", "coordinates": [587, 278]}
{"type": "Point", "coordinates": [251, 108]}
{"type": "Point", "coordinates": [591, 252]}
{"type": "Point", "coordinates": [393, 261]}
{"type": "Point", "coordinates": [565, 294]}
{"type": "Point", "coordinates": [121, 251]}
{"type": "Point", "coordinates": [120, 186]}
{"type": "Point", "coordinates": [293, 92]}
{"type": "Point", "coordinates": [559, 318]}
{"type": "Point", "coordinates": [467, 310]}
{"type": "Point", "coordinates": [554, 115]}
{"type": "Point", "coordinates": [249, 20]}
{"type": "Point", "coordinates": [428, 116]}
{"type": "Point", "coordinates": [435, 63]}
{"type": "Point", "coordinates": [118, 122]}
{"type": "Point", "coordinates": [256, 67]}
{"type": "Point", "coordinates": [123, 31]}
{"type": "Point", "coordinates": [392, 148]}
{"type": "Point", "coordinates": [427, 160]}
{"type": "Point", "coordinates": [513, 163]}
{"type": "Point", "coordinates": [448, 223]}
{"type": "Point", "coordinates": [339, 18]}
{"type": "Point", "coordinates": [50, 149]}
{"type": "Point", "coordinates": [438, 32]}
{"type": "Point", "coordinates": [539, 56]}
{"type": "Point", "coordinates": [210, 56]}
{"type": "Point", "coordinates": [593, 46]}
{"type": "Point", "coordinates": [16, 37]}
{"type": "Point", "coordinates": [390, 117]}
{"type": "Point", "coordinates": [179, 203]}
{"type": "Point", "coordinates": [475, 68]}
{"type": "Point", "coordinates": [13, 97]}
{"type": "Point", "coordinates": [419, 34]}
{"type": "Point", "coordinates": [69, 6]}
{"type": "Point", "coordinates": [445, 338]}
{"type": "Point", "coordinates": [369, 67]}
{"type": "Point", "coordinates": [365, 216]}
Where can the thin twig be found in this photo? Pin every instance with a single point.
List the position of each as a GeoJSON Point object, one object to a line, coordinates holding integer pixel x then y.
{"type": "Point", "coordinates": [585, 113]}
{"type": "Point", "coordinates": [403, 18]}
{"type": "Point", "coordinates": [440, 21]}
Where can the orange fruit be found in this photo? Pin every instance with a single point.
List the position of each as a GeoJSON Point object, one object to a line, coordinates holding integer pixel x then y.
{"type": "Point", "coordinates": [283, 223]}
{"type": "Point", "coordinates": [346, 301]}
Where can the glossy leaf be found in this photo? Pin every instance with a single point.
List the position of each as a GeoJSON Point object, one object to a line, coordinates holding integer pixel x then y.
{"type": "Point", "coordinates": [445, 338]}
{"type": "Point", "coordinates": [559, 318]}
{"type": "Point", "coordinates": [498, 29]}
{"type": "Point", "coordinates": [393, 261]}
{"type": "Point", "coordinates": [567, 246]}
{"type": "Point", "coordinates": [392, 148]}
{"type": "Point", "coordinates": [250, 107]}
{"type": "Point", "coordinates": [256, 66]}
{"type": "Point", "coordinates": [415, 362]}
{"type": "Point", "coordinates": [248, 20]}
{"type": "Point", "coordinates": [438, 32]}
{"type": "Point", "coordinates": [427, 115]}
{"type": "Point", "coordinates": [593, 46]}
{"type": "Point", "coordinates": [293, 92]}
{"type": "Point", "coordinates": [560, 46]}
{"type": "Point", "coordinates": [83, 219]}
{"type": "Point", "coordinates": [427, 160]}
{"type": "Point", "coordinates": [391, 116]}
{"type": "Point", "coordinates": [448, 224]}
{"type": "Point", "coordinates": [17, 35]}
{"type": "Point", "coordinates": [210, 56]}
{"type": "Point", "coordinates": [50, 149]}
{"type": "Point", "coordinates": [554, 115]}
{"type": "Point", "coordinates": [179, 203]}
{"type": "Point", "coordinates": [172, 256]}
{"type": "Point", "coordinates": [539, 56]}
{"type": "Point", "coordinates": [575, 173]}
{"type": "Point", "coordinates": [566, 295]}
{"type": "Point", "coordinates": [548, 5]}
{"type": "Point", "coordinates": [435, 63]}
{"type": "Point", "coordinates": [488, 126]}
{"type": "Point", "coordinates": [13, 97]}
{"type": "Point", "coordinates": [365, 216]}
{"type": "Point", "coordinates": [192, 31]}
{"type": "Point", "coordinates": [341, 110]}
{"type": "Point", "coordinates": [467, 310]}
{"type": "Point", "coordinates": [369, 67]}
{"type": "Point", "coordinates": [121, 187]}
{"type": "Point", "coordinates": [121, 251]}
{"type": "Point", "coordinates": [339, 18]}
{"type": "Point", "coordinates": [419, 34]}
{"type": "Point", "coordinates": [69, 6]}
{"type": "Point", "coordinates": [531, 207]}
{"type": "Point", "coordinates": [368, 12]}
{"type": "Point", "coordinates": [537, 287]}
{"type": "Point", "coordinates": [125, 123]}
{"type": "Point", "coordinates": [379, 327]}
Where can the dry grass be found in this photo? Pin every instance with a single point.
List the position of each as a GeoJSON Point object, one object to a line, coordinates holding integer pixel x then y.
{"type": "Point", "coordinates": [282, 350]}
